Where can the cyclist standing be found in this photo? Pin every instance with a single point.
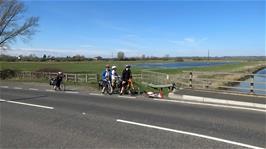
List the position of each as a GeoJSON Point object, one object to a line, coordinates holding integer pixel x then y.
{"type": "Point", "coordinates": [114, 76]}
{"type": "Point", "coordinates": [106, 77]}
{"type": "Point", "coordinates": [126, 78]}
{"type": "Point", "coordinates": [58, 80]}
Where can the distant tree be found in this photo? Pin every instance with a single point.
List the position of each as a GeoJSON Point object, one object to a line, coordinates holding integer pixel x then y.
{"type": "Point", "coordinates": [78, 58]}
{"type": "Point", "coordinates": [44, 56]}
{"type": "Point", "coordinates": [179, 59]}
{"type": "Point", "coordinates": [7, 58]}
{"type": "Point", "coordinates": [166, 57]}
{"type": "Point", "coordinates": [120, 55]}
{"type": "Point", "coordinates": [12, 23]}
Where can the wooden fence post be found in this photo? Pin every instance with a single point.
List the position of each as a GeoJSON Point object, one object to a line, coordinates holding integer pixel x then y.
{"type": "Point", "coordinates": [97, 77]}
{"type": "Point", "coordinates": [86, 78]}
{"type": "Point", "coordinates": [66, 77]}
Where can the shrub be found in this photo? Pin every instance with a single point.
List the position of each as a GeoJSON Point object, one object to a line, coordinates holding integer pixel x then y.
{"type": "Point", "coordinates": [7, 73]}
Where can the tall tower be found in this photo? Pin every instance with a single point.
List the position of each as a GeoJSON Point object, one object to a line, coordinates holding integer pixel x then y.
{"type": "Point", "coordinates": [208, 55]}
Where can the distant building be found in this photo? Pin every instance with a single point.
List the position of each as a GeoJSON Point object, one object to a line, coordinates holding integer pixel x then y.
{"type": "Point", "coordinates": [97, 58]}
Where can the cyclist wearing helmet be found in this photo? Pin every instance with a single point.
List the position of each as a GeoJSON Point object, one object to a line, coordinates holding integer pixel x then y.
{"type": "Point", "coordinates": [114, 75]}
{"type": "Point", "coordinates": [58, 79]}
{"type": "Point", "coordinates": [126, 77]}
{"type": "Point", "coordinates": [106, 76]}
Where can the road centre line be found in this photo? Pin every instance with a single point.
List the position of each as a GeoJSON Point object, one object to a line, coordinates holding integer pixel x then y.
{"type": "Point", "coordinates": [213, 105]}
{"type": "Point", "coordinates": [33, 89]}
{"type": "Point", "coordinates": [190, 133]}
{"type": "Point", "coordinates": [27, 104]}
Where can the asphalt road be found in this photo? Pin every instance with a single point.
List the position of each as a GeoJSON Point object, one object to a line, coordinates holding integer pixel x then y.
{"type": "Point", "coordinates": [85, 121]}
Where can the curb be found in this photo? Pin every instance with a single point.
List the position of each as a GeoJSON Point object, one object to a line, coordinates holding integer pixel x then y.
{"type": "Point", "coordinates": [216, 101]}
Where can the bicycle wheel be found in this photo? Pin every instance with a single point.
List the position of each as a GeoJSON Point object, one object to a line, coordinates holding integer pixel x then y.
{"type": "Point", "coordinates": [109, 89]}
{"type": "Point", "coordinates": [62, 86]}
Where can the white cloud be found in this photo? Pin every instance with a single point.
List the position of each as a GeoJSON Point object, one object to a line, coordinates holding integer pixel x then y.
{"type": "Point", "coordinates": [71, 52]}
{"type": "Point", "coordinates": [189, 40]}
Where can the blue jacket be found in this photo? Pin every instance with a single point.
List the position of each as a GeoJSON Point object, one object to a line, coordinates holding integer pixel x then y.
{"type": "Point", "coordinates": [104, 78]}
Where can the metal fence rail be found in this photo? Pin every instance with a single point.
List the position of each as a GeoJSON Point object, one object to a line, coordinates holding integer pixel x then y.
{"type": "Point", "coordinates": [225, 81]}
{"type": "Point", "coordinates": [207, 80]}
{"type": "Point", "coordinates": [154, 77]}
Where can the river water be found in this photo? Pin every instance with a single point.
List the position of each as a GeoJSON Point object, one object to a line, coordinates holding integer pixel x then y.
{"type": "Point", "coordinates": [260, 78]}
{"type": "Point", "coordinates": [176, 65]}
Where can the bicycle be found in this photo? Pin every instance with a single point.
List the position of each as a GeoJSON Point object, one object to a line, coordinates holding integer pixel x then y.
{"type": "Point", "coordinates": [53, 82]}
{"type": "Point", "coordinates": [130, 89]}
{"type": "Point", "coordinates": [117, 84]}
{"type": "Point", "coordinates": [107, 87]}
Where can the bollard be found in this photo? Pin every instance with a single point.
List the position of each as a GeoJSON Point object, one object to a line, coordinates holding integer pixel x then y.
{"type": "Point", "coordinates": [190, 79]}
{"type": "Point", "coordinates": [161, 93]}
{"type": "Point", "coordinates": [252, 85]}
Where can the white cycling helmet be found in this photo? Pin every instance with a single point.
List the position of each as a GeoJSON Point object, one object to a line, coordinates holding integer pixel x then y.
{"type": "Point", "coordinates": [113, 67]}
{"type": "Point", "coordinates": [128, 66]}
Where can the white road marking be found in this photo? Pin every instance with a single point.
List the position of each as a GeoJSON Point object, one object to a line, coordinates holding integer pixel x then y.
{"type": "Point", "coordinates": [49, 90]}
{"type": "Point", "coordinates": [126, 97]}
{"type": "Point", "coordinates": [213, 105]}
{"type": "Point", "coordinates": [18, 88]}
{"type": "Point", "coordinates": [28, 104]}
{"type": "Point", "coordinates": [190, 133]}
{"type": "Point", "coordinates": [2, 100]}
{"type": "Point", "coordinates": [33, 89]}
{"type": "Point", "coordinates": [4, 86]}
{"type": "Point", "coordinates": [71, 92]}
{"type": "Point", "coordinates": [95, 94]}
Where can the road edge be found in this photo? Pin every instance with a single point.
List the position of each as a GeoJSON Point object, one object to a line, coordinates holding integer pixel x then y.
{"type": "Point", "coordinates": [215, 101]}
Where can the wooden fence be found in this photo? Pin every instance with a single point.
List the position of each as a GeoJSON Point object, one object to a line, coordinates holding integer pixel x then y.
{"type": "Point", "coordinates": [72, 77]}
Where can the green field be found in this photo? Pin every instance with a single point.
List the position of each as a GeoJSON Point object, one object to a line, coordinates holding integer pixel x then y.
{"type": "Point", "coordinates": [75, 67]}
{"type": "Point", "coordinates": [98, 66]}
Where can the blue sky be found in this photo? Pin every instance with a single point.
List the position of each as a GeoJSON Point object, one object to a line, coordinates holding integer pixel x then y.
{"type": "Point", "coordinates": [153, 28]}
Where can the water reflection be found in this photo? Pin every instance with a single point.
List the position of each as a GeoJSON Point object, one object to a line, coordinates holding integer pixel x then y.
{"type": "Point", "coordinates": [259, 83]}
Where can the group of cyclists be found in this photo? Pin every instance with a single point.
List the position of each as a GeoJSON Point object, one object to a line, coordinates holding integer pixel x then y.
{"type": "Point", "coordinates": [112, 80]}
